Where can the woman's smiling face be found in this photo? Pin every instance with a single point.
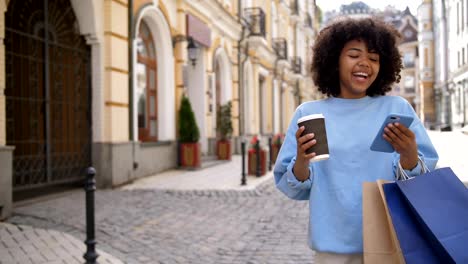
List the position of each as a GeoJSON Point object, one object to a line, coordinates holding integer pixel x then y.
{"type": "Point", "coordinates": [358, 68]}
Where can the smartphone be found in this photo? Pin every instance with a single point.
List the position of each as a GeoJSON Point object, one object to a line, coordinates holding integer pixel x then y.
{"type": "Point", "coordinates": [382, 145]}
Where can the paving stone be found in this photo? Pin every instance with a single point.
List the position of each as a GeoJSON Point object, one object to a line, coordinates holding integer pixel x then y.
{"type": "Point", "coordinates": [177, 226]}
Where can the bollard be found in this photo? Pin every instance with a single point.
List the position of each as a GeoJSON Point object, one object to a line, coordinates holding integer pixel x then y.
{"type": "Point", "coordinates": [257, 150]}
{"type": "Point", "coordinates": [244, 179]}
{"type": "Point", "coordinates": [270, 150]}
{"type": "Point", "coordinates": [90, 187]}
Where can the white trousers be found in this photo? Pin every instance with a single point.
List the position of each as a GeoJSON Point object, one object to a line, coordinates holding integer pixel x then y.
{"type": "Point", "coordinates": [331, 258]}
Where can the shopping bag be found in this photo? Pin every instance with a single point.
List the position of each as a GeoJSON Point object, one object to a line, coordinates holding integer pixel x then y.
{"type": "Point", "coordinates": [439, 201]}
{"type": "Point", "coordinates": [380, 243]}
{"type": "Point", "coordinates": [414, 245]}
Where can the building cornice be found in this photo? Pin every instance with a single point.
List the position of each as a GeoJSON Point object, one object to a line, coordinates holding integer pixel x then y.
{"type": "Point", "coordinates": [460, 74]}
{"type": "Point", "coordinates": [259, 46]}
{"type": "Point", "coordinates": [219, 18]}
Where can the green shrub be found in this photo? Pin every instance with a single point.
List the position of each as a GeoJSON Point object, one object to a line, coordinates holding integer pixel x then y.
{"type": "Point", "coordinates": [188, 129]}
{"type": "Point", "coordinates": [224, 121]}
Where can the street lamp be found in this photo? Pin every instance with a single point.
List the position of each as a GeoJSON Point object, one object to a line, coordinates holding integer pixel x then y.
{"type": "Point", "coordinates": [192, 51]}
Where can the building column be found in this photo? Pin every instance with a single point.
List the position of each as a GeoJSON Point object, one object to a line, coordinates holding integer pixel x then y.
{"type": "Point", "coordinates": [6, 181]}
{"type": "Point", "coordinates": [6, 152]}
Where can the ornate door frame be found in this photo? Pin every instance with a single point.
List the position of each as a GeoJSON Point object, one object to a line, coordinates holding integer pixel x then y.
{"type": "Point", "coordinates": [48, 94]}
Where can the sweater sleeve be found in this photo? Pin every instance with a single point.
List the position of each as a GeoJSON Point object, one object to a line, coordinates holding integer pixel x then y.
{"type": "Point", "coordinates": [285, 179]}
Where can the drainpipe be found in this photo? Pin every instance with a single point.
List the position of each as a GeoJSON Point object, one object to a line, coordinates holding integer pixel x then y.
{"type": "Point", "coordinates": [240, 76]}
{"type": "Point", "coordinates": [445, 62]}
{"type": "Point", "coordinates": [130, 65]}
{"type": "Point", "coordinates": [275, 75]}
{"type": "Point", "coordinates": [130, 79]}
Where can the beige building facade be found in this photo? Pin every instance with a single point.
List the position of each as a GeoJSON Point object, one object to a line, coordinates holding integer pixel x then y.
{"type": "Point", "coordinates": [426, 51]}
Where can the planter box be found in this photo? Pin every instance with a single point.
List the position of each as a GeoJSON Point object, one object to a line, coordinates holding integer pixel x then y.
{"type": "Point", "coordinates": [252, 162]}
{"type": "Point", "coordinates": [190, 154]}
{"type": "Point", "coordinates": [223, 149]}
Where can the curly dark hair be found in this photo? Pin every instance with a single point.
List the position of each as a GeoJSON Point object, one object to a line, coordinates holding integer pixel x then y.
{"type": "Point", "coordinates": [378, 36]}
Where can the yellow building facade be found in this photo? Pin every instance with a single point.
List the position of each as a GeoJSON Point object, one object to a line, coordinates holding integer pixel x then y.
{"type": "Point", "coordinates": [99, 83]}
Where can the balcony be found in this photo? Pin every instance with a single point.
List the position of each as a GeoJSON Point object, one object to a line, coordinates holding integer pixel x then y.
{"type": "Point", "coordinates": [296, 63]}
{"type": "Point", "coordinates": [280, 46]}
{"type": "Point", "coordinates": [255, 18]}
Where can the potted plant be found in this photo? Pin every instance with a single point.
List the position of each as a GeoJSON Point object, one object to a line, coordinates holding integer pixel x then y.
{"type": "Point", "coordinates": [276, 143]}
{"type": "Point", "coordinates": [189, 135]}
{"type": "Point", "coordinates": [256, 153]}
{"type": "Point", "coordinates": [224, 129]}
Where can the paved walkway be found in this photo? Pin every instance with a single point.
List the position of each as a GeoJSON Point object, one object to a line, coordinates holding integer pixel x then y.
{"type": "Point", "coordinates": [25, 244]}
{"type": "Point", "coordinates": [226, 176]}
{"type": "Point", "coordinates": [452, 148]}
{"type": "Point", "coordinates": [146, 221]}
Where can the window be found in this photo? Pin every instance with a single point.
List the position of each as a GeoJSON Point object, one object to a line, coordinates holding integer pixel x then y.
{"type": "Point", "coordinates": [463, 56]}
{"type": "Point", "coordinates": [146, 85]}
{"type": "Point", "coordinates": [409, 82]}
{"type": "Point", "coordinates": [458, 18]}
{"type": "Point", "coordinates": [462, 15]}
{"type": "Point", "coordinates": [408, 33]}
{"type": "Point", "coordinates": [408, 59]}
{"type": "Point", "coordinates": [426, 57]}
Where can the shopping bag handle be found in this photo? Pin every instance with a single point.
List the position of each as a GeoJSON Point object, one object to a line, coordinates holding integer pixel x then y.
{"type": "Point", "coordinates": [401, 174]}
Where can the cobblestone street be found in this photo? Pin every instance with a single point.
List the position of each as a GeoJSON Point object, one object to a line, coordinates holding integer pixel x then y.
{"type": "Point", "coordinates": [157, 226]}
{"type": "Point", "coordinates": [201, 216]}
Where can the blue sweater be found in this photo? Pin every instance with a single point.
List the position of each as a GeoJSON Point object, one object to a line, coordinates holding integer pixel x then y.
{"type": "Point", "coordinates": [334, 188]}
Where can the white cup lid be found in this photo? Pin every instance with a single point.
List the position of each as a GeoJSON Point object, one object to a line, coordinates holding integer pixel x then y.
{"type": "Point", "coordinates": [309, 117]}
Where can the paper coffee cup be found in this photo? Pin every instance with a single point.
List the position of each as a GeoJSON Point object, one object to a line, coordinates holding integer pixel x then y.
{"type": "Point", "coordinates": [316, 124]}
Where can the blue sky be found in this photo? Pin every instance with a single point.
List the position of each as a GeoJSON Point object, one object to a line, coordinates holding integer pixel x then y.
{"type": "Point", "coordinates": [328, 5]}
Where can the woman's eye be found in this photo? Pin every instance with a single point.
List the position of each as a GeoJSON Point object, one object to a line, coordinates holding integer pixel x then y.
{"type": "Point", "coordinates": [353, 56]}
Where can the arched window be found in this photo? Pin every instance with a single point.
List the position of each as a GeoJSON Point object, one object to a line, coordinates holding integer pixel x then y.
{"type": "Point", "coordinates": [146, 85]}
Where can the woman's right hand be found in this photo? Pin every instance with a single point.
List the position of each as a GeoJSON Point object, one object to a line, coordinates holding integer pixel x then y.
{"type": "Point", "coordinates": [301, 167]}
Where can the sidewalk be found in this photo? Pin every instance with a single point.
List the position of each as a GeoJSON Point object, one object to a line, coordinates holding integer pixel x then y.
{"type": "Point", "coordinates": [226, 176]}
{"type": "Point", "coordinates": [452, 148]}
{"type": "Point", "coordinates": [25, 244]}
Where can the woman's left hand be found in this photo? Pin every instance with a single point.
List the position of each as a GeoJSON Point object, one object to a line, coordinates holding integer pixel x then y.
{"type": "Point", "coordinates": [403, 141]}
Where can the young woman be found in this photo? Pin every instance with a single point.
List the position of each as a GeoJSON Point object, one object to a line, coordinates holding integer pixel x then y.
{"type": "Point", "coordinates": [355, 63]}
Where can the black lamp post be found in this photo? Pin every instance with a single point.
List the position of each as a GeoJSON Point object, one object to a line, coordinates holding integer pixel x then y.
{"type": "Point", "coordinates": [192, 51]}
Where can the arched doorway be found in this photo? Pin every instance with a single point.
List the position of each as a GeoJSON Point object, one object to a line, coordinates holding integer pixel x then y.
{"type": "Point", "coordinates": [48, 94]}
{"type": "Point", "coordinates": [223, 81]}
{"type": "Point", "coordinates": [147, 85]}
{"type": "Point", "coordinates": [159, 38]}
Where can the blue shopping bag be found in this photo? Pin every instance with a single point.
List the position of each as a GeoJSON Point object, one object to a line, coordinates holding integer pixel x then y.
{"type": "Point", "coordinates": [439, 200]}
{"type": "Point", "coordinates": [416, 248]}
